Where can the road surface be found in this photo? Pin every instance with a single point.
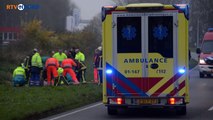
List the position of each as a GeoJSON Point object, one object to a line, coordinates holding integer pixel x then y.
{"type": "Point", "coordinates": [200, 107]}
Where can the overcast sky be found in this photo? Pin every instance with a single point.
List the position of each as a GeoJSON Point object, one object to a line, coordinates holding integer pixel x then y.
{"type": "Point", "coordinates": [90, 8]}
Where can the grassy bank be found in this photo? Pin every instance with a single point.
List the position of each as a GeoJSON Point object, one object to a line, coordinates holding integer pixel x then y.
{"type": "Point", "coordinates": [37, 102]}
{"type": "Point", "coordinates": [22, 103]}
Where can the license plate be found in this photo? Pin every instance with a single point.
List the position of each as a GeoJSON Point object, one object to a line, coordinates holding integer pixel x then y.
{"type": "Point", "coordinates": [148, 101]}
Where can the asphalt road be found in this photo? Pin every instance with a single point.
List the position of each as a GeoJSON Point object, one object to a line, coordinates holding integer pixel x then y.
{"type": "Point", "coordinates": [200, 107]}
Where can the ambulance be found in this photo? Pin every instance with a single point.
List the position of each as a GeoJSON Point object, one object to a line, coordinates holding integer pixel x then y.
{"type": "Point", "coordinates": [145, 56]}
{"type": "Point", "coordinates": [205, 55]}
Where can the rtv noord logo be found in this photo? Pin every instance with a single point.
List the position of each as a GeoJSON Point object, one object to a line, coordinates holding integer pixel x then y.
{"type": "Point", "coordinates": [23, 7]}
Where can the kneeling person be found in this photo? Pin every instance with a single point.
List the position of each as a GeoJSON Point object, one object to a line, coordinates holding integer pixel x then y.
{"type": "Point", "coordinates": [67, 65]}
{"type": "Point", "coordinates": [19, 76]}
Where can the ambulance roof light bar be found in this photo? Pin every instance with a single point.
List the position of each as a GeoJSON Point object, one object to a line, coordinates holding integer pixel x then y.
{"type": "Point", "coordinates": [144, 7]}
{"type": "Point", "coordinates": [181, 5]}
{"type": "Point", "coordinates": [109, 6]}
{"type": "Point", "coordinates": [210, 29]}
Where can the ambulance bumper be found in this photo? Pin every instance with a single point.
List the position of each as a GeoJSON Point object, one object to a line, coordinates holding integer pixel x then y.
{"type": "Point", "coordinates": [206, 69]}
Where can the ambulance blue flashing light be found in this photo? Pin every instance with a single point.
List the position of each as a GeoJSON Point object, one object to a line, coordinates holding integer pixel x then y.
{"type": "Point", "coordinates": [184, 8]}
{"type": "Point", "coordinates": [210, 29]}
{"type": "Point", "coordinates": [108, 71]}
{"type": "Point", "coordinates": [181, 70]}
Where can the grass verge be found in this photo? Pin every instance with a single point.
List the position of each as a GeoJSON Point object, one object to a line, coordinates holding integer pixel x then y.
{"type": "Point", "coordinates": [36, 102]}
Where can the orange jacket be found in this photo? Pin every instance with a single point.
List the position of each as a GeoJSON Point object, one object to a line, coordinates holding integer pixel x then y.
{"type": "Point", "coordinates": [52, 62]}
{"type": "Point", "coordinates": [68, 63]}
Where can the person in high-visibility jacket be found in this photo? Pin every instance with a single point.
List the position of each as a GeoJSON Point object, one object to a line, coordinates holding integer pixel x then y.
{"type": "Point", "coordinates": [36, 67]}
{"type": "Point", "coordinates": [95, 63]}
{"type": "Point", "coordinates": [19, 76]}
{"type": "Point", "coordinates": [80, 58]}
{"type": "Point", "coordinates": [60, 56]}
{"type": "Point", "coordinates": [51, 66]}
{"type": "Point", "coordinates": [67, 65]}
{"type": "Point", "coordinates": [98, 64]}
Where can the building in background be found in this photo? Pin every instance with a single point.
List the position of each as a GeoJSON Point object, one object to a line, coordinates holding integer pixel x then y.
{"type": "Point", "coordinates": [76, 15]}
{"type": "Point", "coordinates": [74, 22]}
{"type": "Point", "coordinates": [70, 23]}
{"type": "Point", "coordinates": [9, 34]}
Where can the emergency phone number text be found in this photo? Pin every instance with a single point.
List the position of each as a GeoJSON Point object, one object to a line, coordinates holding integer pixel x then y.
{"type": "Point", "coordinates": [131, 71]}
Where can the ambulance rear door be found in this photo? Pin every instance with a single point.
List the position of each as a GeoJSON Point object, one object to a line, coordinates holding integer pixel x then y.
{"type": "Point", "coordinates": [144, 53]}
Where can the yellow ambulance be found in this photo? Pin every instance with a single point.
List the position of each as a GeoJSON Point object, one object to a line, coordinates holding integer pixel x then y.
{"type": "Point", "coordinates": [145, 56]}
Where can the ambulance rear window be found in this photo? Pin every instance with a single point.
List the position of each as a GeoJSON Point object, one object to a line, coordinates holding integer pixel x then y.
{"type": "Point", "coordinates": [161, 35]}
{"type": "Point", "coordinates": [129, 34]}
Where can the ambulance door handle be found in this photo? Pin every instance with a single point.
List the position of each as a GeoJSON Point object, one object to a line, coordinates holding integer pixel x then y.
{"type": "Point", "coordinates": [113, 24]}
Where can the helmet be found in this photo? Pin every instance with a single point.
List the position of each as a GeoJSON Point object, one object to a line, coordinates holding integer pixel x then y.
{"type": "Point", "coordinates": [60, 70]}
{"type": "Point", "coordinates": [76, 50]}
{"type": "Point", "coordinates": [99, 48]}
{"type": "Point", "coordinates": [35, 50]}
{"type": "Point", "coordinates": [22, 65]}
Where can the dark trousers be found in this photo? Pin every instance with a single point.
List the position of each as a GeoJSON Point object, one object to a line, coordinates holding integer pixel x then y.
{"type": "Point", "coordinates": [100, 74]}
{"type": "Point", "coordinates": [35, 73]}
{"type": "Point", "coordinates": [27, 72]}
{"type": "Point", "coordinates": [81, 75]}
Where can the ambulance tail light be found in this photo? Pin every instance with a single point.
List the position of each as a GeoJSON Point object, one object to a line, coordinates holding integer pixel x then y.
{"type": "Point", "coordinates": [116, 101]}
{"type": "Point", "coordinates": [175, 101]}
{"type": "Point", "coordinates": [171, 101]}
{"type": "Point", "coordinates": [120, 101]}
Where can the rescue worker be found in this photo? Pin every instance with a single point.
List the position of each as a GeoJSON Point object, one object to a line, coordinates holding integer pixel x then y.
{"type": "Point", "coordinates": [52, 66]}
{"type": "Point", "coordinates": [19, 76]}
{"type": "Point", "coordinates": [95, 65]}
{"type": "Point", "coordinates": [99, 67]}
{"type": "Point", "coordinates": [61, 79]}
{"type": "Point", "coordinates": [60, 56]}
{"type": "Point", "coordinates": [27, 65]}
{"type": "Point", "coordinates": [36, 67]}
{"type": "Point", "coordinates": [44, 72]}
{"type": "Point", "coordinates": [81, 67]}
{"type": "Point", "coordinates": [67, 65]}
{"type": "Point", "coordinates": [69, 55]}
{"type": "Point", "coordinates": [72, 50]}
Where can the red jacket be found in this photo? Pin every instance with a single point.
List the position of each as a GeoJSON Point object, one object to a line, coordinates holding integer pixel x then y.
{"type": "Point", "coordinates": [68, 63]}
{"type": "Point", "coordinates": [52, 62]}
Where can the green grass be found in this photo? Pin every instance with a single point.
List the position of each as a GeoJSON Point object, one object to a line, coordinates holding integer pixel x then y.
{"type": "Point", "coordinates": [37, 102]}
{"type": "Point", "coordinates": [25, 102]}
{"type": "Point", "coordinates": [6, 71]}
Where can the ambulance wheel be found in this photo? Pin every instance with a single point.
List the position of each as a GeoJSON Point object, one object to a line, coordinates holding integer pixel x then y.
{"type": "Point", "coordinates": [112, 111]}
{"type": "Point", "coordinates": [201, 75]}
{"type": "Point", "coordinates": [181, 110]}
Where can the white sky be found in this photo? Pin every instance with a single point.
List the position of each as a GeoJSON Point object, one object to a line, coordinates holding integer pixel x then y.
{"type": "Point", "coordinates": [90, 8]}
